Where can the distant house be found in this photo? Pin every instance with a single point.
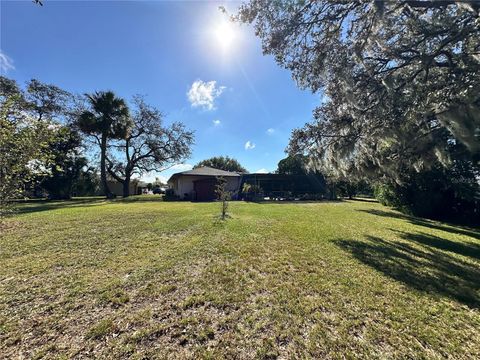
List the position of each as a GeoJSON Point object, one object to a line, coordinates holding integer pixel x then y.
{"type": "Point", "coordinates": [199, 184]}
{"type": "Point", "coordinates": [136, 187]}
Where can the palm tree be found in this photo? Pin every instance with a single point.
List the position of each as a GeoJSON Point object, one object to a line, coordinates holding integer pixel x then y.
{"type": "Point", "coordinates": [108, 118]}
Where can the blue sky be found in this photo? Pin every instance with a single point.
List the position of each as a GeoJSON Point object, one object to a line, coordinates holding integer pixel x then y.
{"type": "Point", "coordinates": [189, 62]}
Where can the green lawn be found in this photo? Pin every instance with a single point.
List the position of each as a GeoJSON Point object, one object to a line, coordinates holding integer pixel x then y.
{"type": "Point", "coordinates": [152, 279]}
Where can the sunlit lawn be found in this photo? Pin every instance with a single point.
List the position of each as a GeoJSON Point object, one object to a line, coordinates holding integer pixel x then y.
{"type": "Point", "coordinates": [149, 279]}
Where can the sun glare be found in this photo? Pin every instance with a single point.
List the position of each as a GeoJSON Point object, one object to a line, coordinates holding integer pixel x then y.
{"type": "Point", "coordinates": [225, 35]}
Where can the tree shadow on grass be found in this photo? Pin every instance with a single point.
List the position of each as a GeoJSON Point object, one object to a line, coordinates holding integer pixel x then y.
{"type": "Point", "coordinates": [417, 262]}
{"type": "Point", "coordinates": [451, 228]}
{"type": "Point", "coordinates": [467, 249]}
{"type": "Point", "coordinates": [31, 206]}
{"type": "Point", "coordinates": [141, 198]}
{"type": "Point", "coordinates": [37, 205]}
{"type": "Point", "coordinates": [294, 202]}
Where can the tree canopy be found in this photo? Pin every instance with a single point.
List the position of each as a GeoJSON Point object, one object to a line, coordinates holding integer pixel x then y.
{"type": "Point", "coordinates": [400, 78]}
{"type": "Point", "coordinates": [223, 163]}
{"type": "Point", "coordinates": [399, 83]}
{"type": "Point", "coordinates": [293, 165]}
{"type": "Point", "coordinates": [107, 118]}
{"type": "Point", "coordinates": [42, 149]}
{"type": "Point", "coordinates": [148, 146]}
{"type": "Point", "coordinates": [67, 165]}
{"type": "Point", "coordinates": [38, 148]}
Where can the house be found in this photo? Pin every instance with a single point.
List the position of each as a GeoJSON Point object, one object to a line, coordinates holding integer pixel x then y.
{"type": "Point", "coordinates": [136, 187]}
{"type": "Point", "coordinates": [199, 184]}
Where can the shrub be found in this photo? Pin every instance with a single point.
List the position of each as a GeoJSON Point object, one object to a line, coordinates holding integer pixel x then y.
{"type": "Point", "coordinates": [252, 192]}
{"type": "Point", "coordinates": [436, 194]}
{"type": "Point", "coordinates": [170, 195]}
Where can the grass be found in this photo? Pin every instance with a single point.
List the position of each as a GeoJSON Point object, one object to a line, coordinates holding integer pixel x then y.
{"type": "Point", "coordinates": [148, 279]}
{"type": "Point", "coordinates": [103, 328]}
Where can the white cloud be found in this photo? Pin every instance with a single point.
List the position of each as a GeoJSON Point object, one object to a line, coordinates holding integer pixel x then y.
{"type": "Point", "coordinates": [182, 167]}
{"type": "Point", "coordinates": [262, 171]}
{"type": "Point", "coordinates": [216, 122]}
{"type": "Point", "coordinates": [203, 94]}
{"type": "Point", "coordinates": [249, 145]}
{"type": "Point", "coordinates": [270, 131]}
{"type": "Point", "coordinates": [152, 177]}
{"type": "Point", "coordinates": [6, 63]}
{"type": "Point", "coordinates": [161, 178]}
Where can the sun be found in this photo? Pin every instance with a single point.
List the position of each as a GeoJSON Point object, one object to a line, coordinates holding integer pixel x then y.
{"type": "Point", "coordinates": [225, 35]}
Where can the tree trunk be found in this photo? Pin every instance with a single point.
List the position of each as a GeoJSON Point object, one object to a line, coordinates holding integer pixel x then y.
{"type": "Point", "coordinates": [333, 192]}
{"type": "Point", "coordinates": [126, 186]}
{"type": "Point", "coordinates": [103, 170]}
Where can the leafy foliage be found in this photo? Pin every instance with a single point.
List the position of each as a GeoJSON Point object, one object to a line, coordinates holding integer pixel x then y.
{"type": "Point", "coordinates": [398, 76]}
{"type": "Point", "coordinates": [223, 195]}
{"type": "Point", "coordinates": [87, 182]}
{"type": "Point", "coordinates": [252, 192]}
{"type": "Point", "coordinates": [148, 146]}
{"type": "Point", "coordinates": [223, 163]}
{"type": "Point", "coordinates": [108, 118]}
{"type": "Point", "coordinates": [28, 122]}
{"type": "Point", "coordinates": [68, 168]}
{"type": "Point", "coordinates": [293, 165]}
{"type": "Point", "coordinates": [399, 81]}
{"type": "Point", "coordinates": [439, 193]}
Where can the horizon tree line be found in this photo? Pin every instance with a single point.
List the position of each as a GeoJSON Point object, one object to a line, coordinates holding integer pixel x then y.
{"type": "Point", "coordinates": [45, 132]}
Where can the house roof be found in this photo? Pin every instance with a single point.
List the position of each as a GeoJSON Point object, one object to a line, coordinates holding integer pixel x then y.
{"type": "Point", "coordinates": [204, 171]}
